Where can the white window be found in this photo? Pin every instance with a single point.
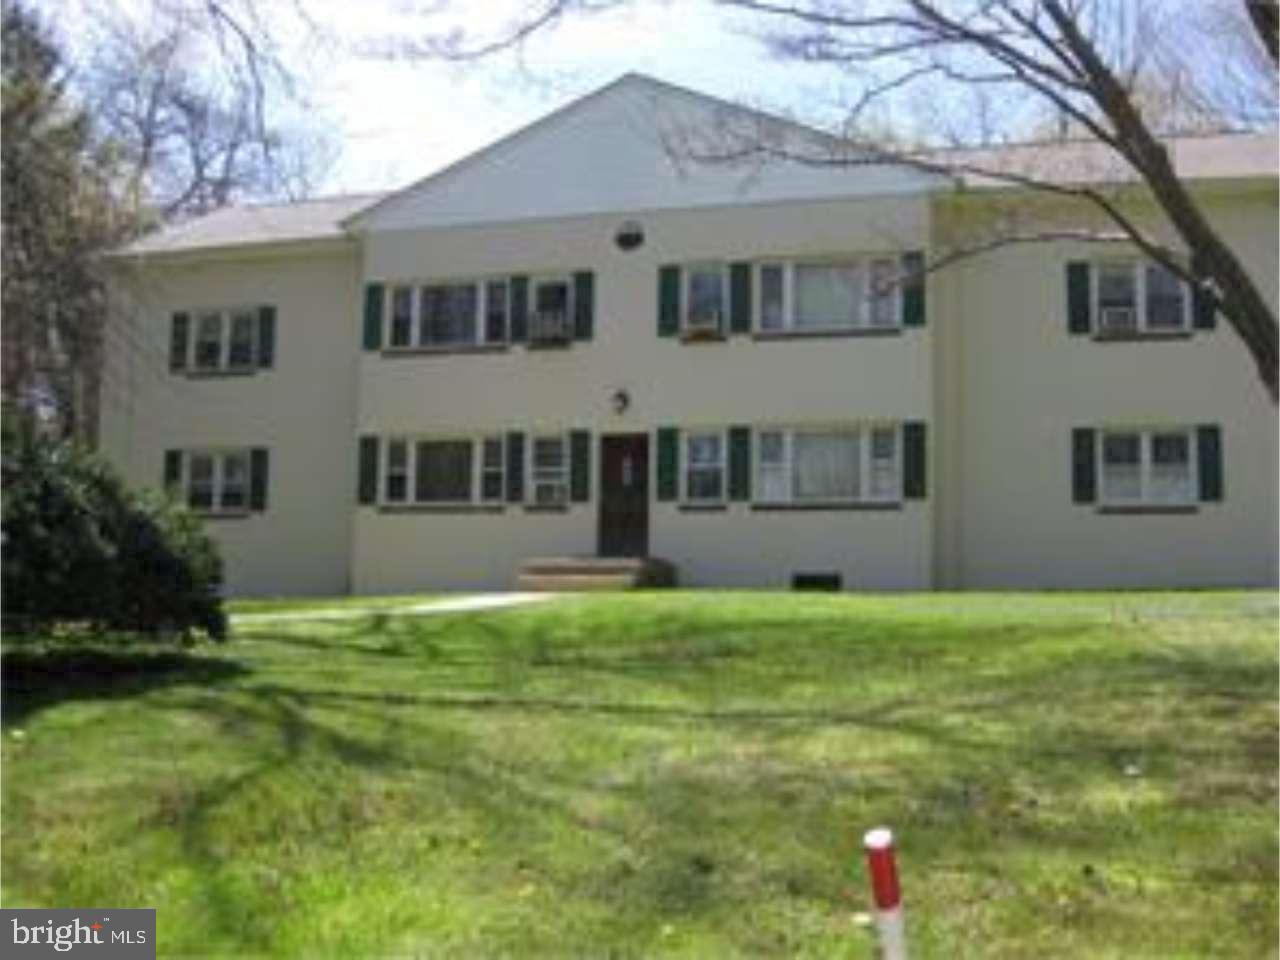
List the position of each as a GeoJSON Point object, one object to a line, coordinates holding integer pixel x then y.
{"type": "Point", "coordinates": [549, 470]}
{"type": "Point", "coordinates": [452, 313]}
{"type": "Point", "coordinates": [218, 480]}
{"type": "Point", "coordinates": [225, 339]}
{"type": "Point", "coordinates": [401, 317]}
{"type": "Point", "coordinates": [244, 325]}
{"type": "Point", "coordinates": [704, 466]}
{"type": "Point", "coordinates": [443, 470]}
{"type": "Point", "coordinates": [552, 318]}
{"type": "Point", "coordinates": [828, 295]}
{"type": "Point", "coordinates": [397, 471]}
{"type": "Point", "coordinates": [706, 297]}
{"type": "Point", "coordinates": [846, 464]}
{"type": "Point", "coordinates": [448, 314]}
{"type": "Point", "coordinates": [1147, 466]}
{"type": "Point", "coordinates": [1131, 296]}
{"type": "Point", "coordinates": [492, 470]}
{"type": "Point", "coordinates": [773, 296]}
{"type": "Point", "coordinates": [208, 341]}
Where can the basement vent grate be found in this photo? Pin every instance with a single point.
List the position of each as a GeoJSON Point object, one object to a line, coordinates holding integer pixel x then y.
{"type": "Point", "coordinates": [815, 581]}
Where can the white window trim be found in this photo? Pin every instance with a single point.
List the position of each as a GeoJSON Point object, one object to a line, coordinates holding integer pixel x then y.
{"type": "Point", "coordinates": [415, 312]}
{"type": "Point", "coordinates": [530, 482]}
{"type": "Point", "coordinates": [862, 262]}
{"type": "Point", "coordinates": [686, 293]}
{"type": "Point", "coordinates": [1138, 268]}
{"type": "Point", "coordinates": [686, 463]}
{"type": "Point", "coordinates": [225, 314]}
{"type": "Point", "coordinates": [544, 280]}
{"type": "Point", "coordinates": [1145, 464]}
{"type": "Point", "coordinates": [864, 430]}
{"type": "Point", "coordinates": [219, 455]}
{"type": "Point", "coordinates": [411, 441]}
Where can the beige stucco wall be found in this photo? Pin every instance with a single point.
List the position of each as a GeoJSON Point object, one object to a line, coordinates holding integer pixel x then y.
{"type": "Point", "coordinates": [302, 409]}
{"type": "Point", "coordinates": [740, 381]}
{"type": "Point", "coordinates": [1011, 385]}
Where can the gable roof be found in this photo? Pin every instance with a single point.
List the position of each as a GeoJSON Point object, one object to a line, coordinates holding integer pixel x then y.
{"type": "Point", "coordinates": [1214, 156]}
{"type": "Point", "coordinates": [632, 145]}
{"type": "Point", "coordinates": [642, 173]}
{"type": "Point", "coordinates": [255, 225]}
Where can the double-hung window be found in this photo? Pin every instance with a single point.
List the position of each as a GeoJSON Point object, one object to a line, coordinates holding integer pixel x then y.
{"type": "Point", "coordinates": [244, 326]}
{"type": "Point", "coordinates": [549, 470]}
{"type": "Point", "coordinates": [845, 464]}
{"type": "Point", "coordinates": [704, 479]}
{"type": "Point", "coordinates": [208, 341]}
{"type": "Point", "coordinates": [552, 318]}
{"type": "Point", "coordinates": [218, 480]}
{"type": "Point", "coordinates": [707, 298]}
{"type": "Point", "coordinates": [443, 471]}
{"type": "Point", "coordinates": [444, 314]}
{"type": "Point", "coordinates": [828, 295]}
{"type": "Point", "coordinates": [1147, 466]}
{"type": "Point", "coordinates": [1133, 296]}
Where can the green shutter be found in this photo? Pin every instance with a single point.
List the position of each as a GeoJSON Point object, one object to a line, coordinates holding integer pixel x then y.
{"type": "Point", "coordinates": [668, 463]}
{"type": "Point", "coordinates": [179, 330]}
{"type": "Point", "coordinates": [914, 475]}
{"type": "Point", "coordinates": [515, 467]}
{"type": "Point", "coordinates": [668, 301]}
{"type": "Point", "coordinates": [266, 336]}
{"type": "Point", "coordinates": [913, 288]}
{"type": "Point", "coordinates": [740, 297]}
{"type": "Point", "coordinates": [367, 485]}
{"type": "Point", "coordinates": [172, 469]}
{"type": "Point", "coordinates": [373, 316]}
{"type": "Point", "coordinates": [1204, 314]}
{"type": "Point", "coordinates": [519, 309]}
{"type": "Point", "coordinates": [739, 463]}
{"type": "Point", "coordinates": [584, 305]}
{"type": "Point", "coordinates": [1079, 298]}
{"type": "Point", "coordinates": [1209, 452]}
{"type": "Point", "coordinates": [1084, 469]}
{"type": "Point", "coordinates": [258, 479]}
{"type": "Point", "coordinates": [580, 466]}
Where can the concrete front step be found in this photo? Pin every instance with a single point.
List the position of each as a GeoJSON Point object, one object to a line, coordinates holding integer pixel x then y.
{"type": "Point", "coordinates": [594, 573]}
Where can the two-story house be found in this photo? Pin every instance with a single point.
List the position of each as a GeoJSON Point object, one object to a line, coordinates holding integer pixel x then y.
{"type": "Point", "coordinates": [575, 343]}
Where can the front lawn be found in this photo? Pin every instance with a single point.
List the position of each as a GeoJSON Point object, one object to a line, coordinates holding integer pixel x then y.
{"type": "Point", "coordinates": [679, 774]}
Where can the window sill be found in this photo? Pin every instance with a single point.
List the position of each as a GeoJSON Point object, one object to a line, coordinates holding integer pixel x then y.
{"type": "Point", "coordinates": [546, 508]}
{"type": "Point", "coordinates": [700, 336]}
{"type": "Point", "coordinates": [549, 345]}
{"type": "Point", "coordinates": [1142, 335]}
{"type": "Point", "coordinates": [785, 507]}
{"type": "Point", "coordinates": [441, 350]}
{"type": "Point", "coordinates": [223, 514]}
{"type": "Point", "coordinates": [703, 507]}
{"type": "Point", "coordinates": [766, 335]}
{"type": "Point", "coordinates": [1154, 509]}
{"type": "Point", "coordinates": [443, 508]}
{"type": "Point", "coordinates": [219, 374]}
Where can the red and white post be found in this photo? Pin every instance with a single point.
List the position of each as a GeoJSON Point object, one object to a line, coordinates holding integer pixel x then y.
{"type": "Point", "coordinates": [885, 893]}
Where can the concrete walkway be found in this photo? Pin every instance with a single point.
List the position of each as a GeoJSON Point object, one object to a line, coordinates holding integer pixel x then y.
{"type": "Point", "coordinates": [474, 602]}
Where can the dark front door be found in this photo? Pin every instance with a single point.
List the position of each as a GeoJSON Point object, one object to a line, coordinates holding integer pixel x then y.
{"type": "Point", "coordinates": [624, 495]}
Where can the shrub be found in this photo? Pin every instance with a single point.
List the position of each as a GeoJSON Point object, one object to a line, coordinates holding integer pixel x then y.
{"type": "Point", "coordinates": [80, 547]}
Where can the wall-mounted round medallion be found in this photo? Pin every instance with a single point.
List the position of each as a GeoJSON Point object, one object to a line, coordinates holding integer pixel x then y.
{"type": "Point", "coordinates": [630, 235]}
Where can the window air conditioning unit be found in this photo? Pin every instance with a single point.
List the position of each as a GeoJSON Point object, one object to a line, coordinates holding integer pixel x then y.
{"type": "Point", "coordinates": [550, 327]}
{"type": "Point", "coordinates": [708, 321]}
{"type": "Point", "coordinates": [1118, 320]}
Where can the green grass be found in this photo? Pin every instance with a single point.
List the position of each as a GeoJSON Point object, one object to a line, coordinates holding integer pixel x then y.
{"type": "Point", "coordinates": [301, 604]}
{"type": "Point", "coordinates": [669, 774]}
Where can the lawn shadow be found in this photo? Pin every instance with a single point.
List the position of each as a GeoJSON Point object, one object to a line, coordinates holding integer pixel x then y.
{"type": "Point", "coordinates": [33, 679]}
